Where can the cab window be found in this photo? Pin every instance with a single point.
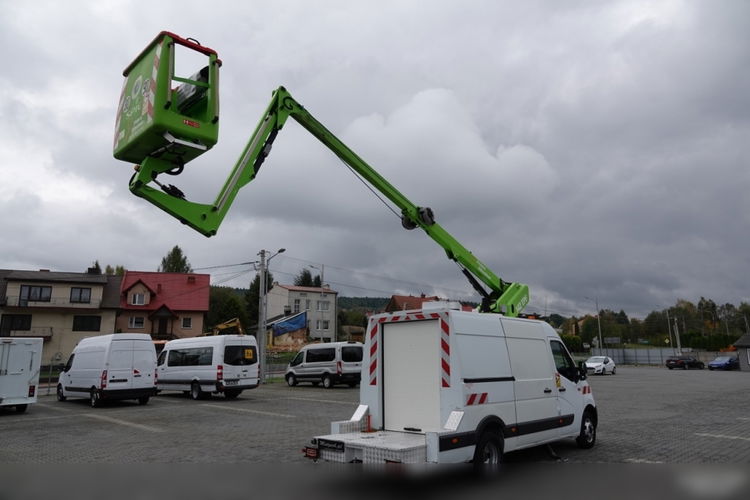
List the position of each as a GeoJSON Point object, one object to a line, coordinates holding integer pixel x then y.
{"type": "Point", "coordinates": [563, 362]}
{"type": "Point", "coordinates": [297, 359]}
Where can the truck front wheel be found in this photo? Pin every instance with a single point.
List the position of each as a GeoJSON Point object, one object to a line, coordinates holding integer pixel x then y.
{"type": "Point", "coordinates": [587, 437]}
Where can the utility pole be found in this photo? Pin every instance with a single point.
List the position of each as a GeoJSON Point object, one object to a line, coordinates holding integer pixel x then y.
{"type": "Point", "coordinates": [261, 335]}
{"type": "Point", "coordinates": [677, 336]}
{"type": "Point", "coordinates": [747, 326]}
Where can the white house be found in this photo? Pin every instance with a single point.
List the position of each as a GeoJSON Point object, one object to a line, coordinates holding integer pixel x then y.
{"type": "Point", "coordinates": [320, 304]}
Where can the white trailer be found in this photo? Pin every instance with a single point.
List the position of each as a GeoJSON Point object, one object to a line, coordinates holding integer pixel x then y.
{"type": "Point", "coordinates": [450, 386]}
{"type": "Point", "coordinates": [20, 360]}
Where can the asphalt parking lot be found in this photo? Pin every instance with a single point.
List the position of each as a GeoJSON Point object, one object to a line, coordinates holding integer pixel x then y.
{"type": "Point", "coordinates": [646, 415]}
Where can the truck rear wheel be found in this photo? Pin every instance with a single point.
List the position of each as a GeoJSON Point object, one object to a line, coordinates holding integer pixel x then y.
{"type": "Point", "coordinates": [488, 454]}
{"type": "Point", "coordinates": [327, 381]}
{"type": "Point", "coordinates": [21, 408]}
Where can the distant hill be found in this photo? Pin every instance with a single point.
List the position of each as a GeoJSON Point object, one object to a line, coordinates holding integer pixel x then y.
{"type": "Point", "coordinates": [363, 303]}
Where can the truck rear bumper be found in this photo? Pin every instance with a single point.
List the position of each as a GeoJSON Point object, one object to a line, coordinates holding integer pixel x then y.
{"type": "Point", "coordinates": [370, 447]}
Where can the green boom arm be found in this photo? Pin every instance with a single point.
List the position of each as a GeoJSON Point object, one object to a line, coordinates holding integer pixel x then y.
{"type": "Point", "coordinates": [503, 297]}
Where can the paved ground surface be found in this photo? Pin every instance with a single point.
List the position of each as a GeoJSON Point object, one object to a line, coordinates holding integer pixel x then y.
{"type": "Point", "coordinates": [647, 415]}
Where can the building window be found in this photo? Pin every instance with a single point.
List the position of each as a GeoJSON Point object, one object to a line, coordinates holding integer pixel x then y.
{"type": "Point", "coordinates": [80, 295]}
{"type": "Point", "coordinates": [138, 299]}
{"type": "Point", "coordinates": [307, 304]}
{"type": "Point", "coordinates": [8, 322]}
{"type": "Point", "coordinates": [136, 322]}
{"type": "Point", "coordinates": [323, 305]}
{"type": "Point", "coordinates": [322, 324]}
{"type": "Point", "coordinates": [35, 294]}
{"type": "Point", "coordinates": [296, 305]}
{"type": "Point", "coordinates": [87, 323]}
{"type": "Point", "coordinates": [187, 323]}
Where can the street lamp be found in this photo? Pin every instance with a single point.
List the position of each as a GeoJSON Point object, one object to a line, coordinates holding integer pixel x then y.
{"type": "Point", "coordinates": [262, 290]}
{"type": "Point", "coordinates": [598, 321]}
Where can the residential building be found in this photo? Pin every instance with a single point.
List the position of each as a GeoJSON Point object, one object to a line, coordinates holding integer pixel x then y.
{"type": "Point", "coordinates": [407, 302]}
{"type": "Point", "coordinates": [60, 307]}
{"type": "Point", "coordinates": [165, 305]}
{"type": "Point", "coordinates": [320, 304]}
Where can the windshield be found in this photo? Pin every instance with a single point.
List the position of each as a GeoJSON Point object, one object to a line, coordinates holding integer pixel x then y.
{"type": "Point", "coordinates": [722, 359]}
{"type": "Point", "coordinates": [595, 359]}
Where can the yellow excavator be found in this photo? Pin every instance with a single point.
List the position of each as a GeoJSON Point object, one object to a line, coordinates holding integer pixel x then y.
{"type": "Point", "coordinates": [220, 328]}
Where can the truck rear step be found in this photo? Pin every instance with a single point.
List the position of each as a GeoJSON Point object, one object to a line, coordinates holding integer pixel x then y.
{"type": "Point", "coordinates": [372, 447]}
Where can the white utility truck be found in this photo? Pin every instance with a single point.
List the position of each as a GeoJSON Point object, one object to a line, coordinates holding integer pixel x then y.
{"type": "Point", "coordinates": [449, 386]}
{"type": "Point", "coordinates": [20, 359]}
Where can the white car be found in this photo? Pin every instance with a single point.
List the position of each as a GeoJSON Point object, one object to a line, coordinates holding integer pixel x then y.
{"type": "Point", "coordinates": [600, 365]}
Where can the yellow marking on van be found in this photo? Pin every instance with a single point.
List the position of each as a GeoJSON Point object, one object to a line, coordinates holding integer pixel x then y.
{"type": "Point", "coordinates": [124, 422]}
{"type": "Point", "coordinates": [245, 410]}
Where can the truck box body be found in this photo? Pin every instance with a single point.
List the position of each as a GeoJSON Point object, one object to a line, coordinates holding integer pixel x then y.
{"type": "Point", "coordinates": [20, 359]}
{"type": "Point", "coordinates": [434, 381]}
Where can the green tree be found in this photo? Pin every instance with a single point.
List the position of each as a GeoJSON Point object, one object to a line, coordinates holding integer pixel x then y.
{"type": "Point", "coordinates": [95, 268]}
{"type": "Point", "coordinates": [225, 303]}
{"type": "Point", "coordinates": [252, 296]}
{"type": "Point", "coordinates": [304, 278]}
{"type": "Point", "coordinates": [114, 271]}
{"type": "Point", "coordinates": [175, 262]}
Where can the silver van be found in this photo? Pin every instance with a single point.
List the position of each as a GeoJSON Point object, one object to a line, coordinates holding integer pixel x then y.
{"type": "Point", "coordinates": [328, 364]}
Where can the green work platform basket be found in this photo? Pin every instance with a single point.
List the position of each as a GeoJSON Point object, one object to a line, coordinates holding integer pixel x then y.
{"type": "Point", "coordinates": [154, 119]}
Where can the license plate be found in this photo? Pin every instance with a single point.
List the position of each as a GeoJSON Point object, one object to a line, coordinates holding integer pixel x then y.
{"type": "Point", "coordinates": [231, 382]}
{"type": "Point", "coordinates": [324, 444]}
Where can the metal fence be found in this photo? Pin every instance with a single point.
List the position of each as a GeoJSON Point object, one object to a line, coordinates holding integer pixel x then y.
{"type": "Point", "coordinates": [650, 356]}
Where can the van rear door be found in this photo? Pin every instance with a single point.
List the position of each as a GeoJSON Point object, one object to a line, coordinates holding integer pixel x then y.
{"type": "Point", "coordinates": [411, 377]}
{"type": "Point", "coordinates": [240, 364]}
{"type": "Point", "coordinates": [120, 365]}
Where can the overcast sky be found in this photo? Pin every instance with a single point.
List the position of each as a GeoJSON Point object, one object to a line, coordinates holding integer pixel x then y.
{"type": "Point", "coordinates": [586, 148]}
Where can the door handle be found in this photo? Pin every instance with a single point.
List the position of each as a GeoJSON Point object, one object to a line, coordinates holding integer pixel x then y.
{"type": "Point", "coordinates": [562, 389]}
{"type": "Point", "coordinates": [547, 391]}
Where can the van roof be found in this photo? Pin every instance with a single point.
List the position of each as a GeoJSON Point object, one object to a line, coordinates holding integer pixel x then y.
{"type": "Point", "coordinates": [212, 340]}
{"type": "Point", "coordinates": [331, 344]}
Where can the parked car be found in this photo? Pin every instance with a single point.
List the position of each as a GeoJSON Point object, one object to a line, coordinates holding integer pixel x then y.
{"type": "Point", "coordinates": [600, 365]}
{"type": "Point", "coordinates": [684, 363]}
{"type": "Point", "coordinates": [725, 363]}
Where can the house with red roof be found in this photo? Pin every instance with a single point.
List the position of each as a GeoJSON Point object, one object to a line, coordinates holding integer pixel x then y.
{"type": "Point", "coordinates": [165, 305]}
{"type": "Point", "coordinates": [412, 303]}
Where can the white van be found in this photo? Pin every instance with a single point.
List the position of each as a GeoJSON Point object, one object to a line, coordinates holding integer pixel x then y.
{"type": "Point", "coordinates": [110, 367]}
{"type": "Point", "coordinates": [327, 363]}
{"type": "Point", "coordinates": [20, 359]}
{"type": "Point", "coordinates": [449, 386]}
{"type": "Point", "coordinates": [199, 366]}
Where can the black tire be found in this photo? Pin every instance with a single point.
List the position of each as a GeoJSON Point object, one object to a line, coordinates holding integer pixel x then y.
{"type": "Point", "coordinates": [710, 368]}
{"type": "Point", "coordinates": [143, 400]}
{"type": "Point", "coordinates": [94, 398]}
{"type": "Point", "coordinates": [701, 366]}
{"type": "Point", "coordinates": [327, 381]}
{"type": "Point", "coordinates": [60, 393]}
{"type": "Point", "coordinates": [231, 393]}
{"type": "Point", "coordinates": [21, 408]}
{"type": "Point", "coordinates": [587, 438]}
{"type": "Point", "coordinates": [614, 369]}
{"type": "Point", "coordinates": [291, 380]}
{"type": "Point", "coordinates": [669, 367]}
{"type": "Point", "coordinates": [488, 454]}
{"type": "Point", "coordinates": [685, 366]}
{"type": "Point", "coordinates": [195, 391]}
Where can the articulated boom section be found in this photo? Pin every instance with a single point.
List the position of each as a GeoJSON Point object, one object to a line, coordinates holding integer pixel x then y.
{"type": "Point", "coordinates": [170, 157]}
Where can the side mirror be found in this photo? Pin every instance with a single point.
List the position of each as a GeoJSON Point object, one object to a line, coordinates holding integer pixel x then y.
{"type": "Point", "coordinates": [581, 370]}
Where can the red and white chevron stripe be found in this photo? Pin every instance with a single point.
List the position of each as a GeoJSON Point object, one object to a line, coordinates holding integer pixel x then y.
{"type": "Point", "coordinates": [477, 399]}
